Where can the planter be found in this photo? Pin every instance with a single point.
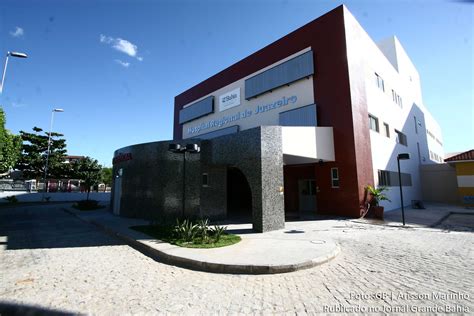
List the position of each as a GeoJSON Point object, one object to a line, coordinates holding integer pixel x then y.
{"type": "Point", "coordinates": [377, 212]}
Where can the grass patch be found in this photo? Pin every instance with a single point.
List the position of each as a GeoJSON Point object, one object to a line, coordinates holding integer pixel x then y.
{"type": "Point", "coordinates": [166, 234]}
{"type": "Point", "coordinates": [87, 205]}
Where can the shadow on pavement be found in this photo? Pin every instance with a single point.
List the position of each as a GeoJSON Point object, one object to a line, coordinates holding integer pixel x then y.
{"type": "Point", "coordinates": [7, 308]}
{"type": "Point", "coordinates": [47, 226]}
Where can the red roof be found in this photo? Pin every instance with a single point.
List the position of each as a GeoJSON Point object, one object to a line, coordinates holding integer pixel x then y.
{"type": "Point", "coordinates": [467, 155]}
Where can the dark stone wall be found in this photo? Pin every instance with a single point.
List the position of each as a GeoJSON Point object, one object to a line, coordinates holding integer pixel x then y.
{"type": "Point", "coordinates": [152, 180]}
{"type": "Point", "coordinates": [214, 196]}
{"type": "Point", "coordinates": [258, 154]}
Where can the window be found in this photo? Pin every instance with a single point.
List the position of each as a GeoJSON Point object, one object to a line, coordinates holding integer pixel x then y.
{"type": "Point", "coordinates": [384, 178]}
{"type": "Point", "coordinates": [373, 123]}
{"type": "Point", "coordinates": [335, 177]}
{"type": "Point", "coordinates": [401, 138]}
{"type": "Point", "coordinates": [205, 180]}
{"type": "Point", "coordinates": [304, 116]}
{"type": "Point", "coordinates": [397, 99]}
{"type": "Point", "coordinates": [379, 82]}
{"type": "Point", "coordinates": [416, 125]}
{"type": "Point", "coordinates": [387, 130]}
{"type": "Point", "coordinates": [390, 178]}
{"type": "Point", "coordinates": [280, 75]}
{"type": "Point", "coordinates": [419, 152]}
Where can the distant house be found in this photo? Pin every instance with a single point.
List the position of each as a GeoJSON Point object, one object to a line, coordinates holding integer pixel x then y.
{"type": "Point", "coordinates": [464, 164]}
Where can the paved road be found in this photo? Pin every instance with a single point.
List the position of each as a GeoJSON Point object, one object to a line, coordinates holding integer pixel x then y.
{"type": "Point", "coordinates": [54, 260]}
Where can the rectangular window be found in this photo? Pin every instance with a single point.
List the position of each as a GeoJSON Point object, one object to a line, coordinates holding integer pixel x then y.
{"type": "Point", "coordinates": [390, 178]}
{"type": "Point", "coordinates": [419, 152]}
{"type": "Point", "coordinates": [335, 177]}
{"type": "Point", "coordinates": [304, 116]}
{"type": "Point", "coordinates": [373, 123]}
{"type": "Point", "coordinates": [397, 99]}
{"type": "Point", "coordinates": [387, 130]}
{"type": "Point", "coordinates": [197, 110]}
{"type": "Point", "coordinates": [384, 178]}
{"type": "Point", "coordinates": [401, 138]}
{"type": "Point", "coordinates": [205, 180]}
{"type": "Point", "coordinates": [288, 72]}
{"type": "Point", "coordinates": [379, 82]}
{"type": "Point", "coordinates": [416, 125]}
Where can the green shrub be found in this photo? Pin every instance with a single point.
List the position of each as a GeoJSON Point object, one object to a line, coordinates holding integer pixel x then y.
{"type": "Point", "coordinates": [203, 230]}
{"type": "Point", "coordinates": [198, 233]}
{"type": "Point", "coordinates": [217, 232]}
{"type": "Point", "coordinates": [186, 230]}
{"type": "Point", "coordinates": [377, 194]}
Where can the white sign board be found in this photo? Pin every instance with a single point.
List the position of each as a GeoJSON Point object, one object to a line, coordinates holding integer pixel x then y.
{"type": "Point", "coordinates": [229, 100]}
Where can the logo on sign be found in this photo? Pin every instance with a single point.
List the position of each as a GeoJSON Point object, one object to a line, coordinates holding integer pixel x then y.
{"type": "Point", "coordinates": [229, 100]}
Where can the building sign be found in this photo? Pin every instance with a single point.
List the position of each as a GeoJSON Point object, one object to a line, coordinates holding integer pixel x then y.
{"type": "Point", "coordinates": [244, 114]}
{"type": "Point", "coordinates": [229, 100]}
{"type": "Point", "coordinates": [122, 158]}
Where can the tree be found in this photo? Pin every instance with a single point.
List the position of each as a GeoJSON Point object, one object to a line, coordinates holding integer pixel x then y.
{"type": "Point", "coordinates": [88, 170]}
{"type": "Point", "coordinates": [2, 128]}
{"type": "Point", "coordinates": [34, 151]}
{"type": "Point", "coordinates": [10, 147]}
{"type": "Point", "coordinates": [106, 175]}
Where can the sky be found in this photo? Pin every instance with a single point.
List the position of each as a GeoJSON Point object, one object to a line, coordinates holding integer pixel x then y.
{"type": "Point", "coordinates": [116, 66]}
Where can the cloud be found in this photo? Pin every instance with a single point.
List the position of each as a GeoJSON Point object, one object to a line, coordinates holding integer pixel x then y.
{"type": "Point", "coordinates": [18, 32]}
{"type": "Point", "coordinates": [121, 45]}
{"type": "Point", "coordinates": [122, 63]}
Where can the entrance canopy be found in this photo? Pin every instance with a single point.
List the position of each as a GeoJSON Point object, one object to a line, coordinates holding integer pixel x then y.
{"type": "Point", "coordinates": [307, 144]}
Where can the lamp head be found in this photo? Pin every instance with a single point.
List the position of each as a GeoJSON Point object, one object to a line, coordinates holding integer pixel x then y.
{"type": "Point", "coordinates": [58, 110]}
{"type": "Point", "coordinates": [193, 148]}
{"type": "Point", "coordinates": [17, 54]}
{"type": "Point", "coordinates": [175, 148]}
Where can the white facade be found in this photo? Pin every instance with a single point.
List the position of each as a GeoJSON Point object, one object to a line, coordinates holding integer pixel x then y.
{"type": "Point", "coordinates": [394, 101]}
{"type": "Point", "coordinates": [294, 95]}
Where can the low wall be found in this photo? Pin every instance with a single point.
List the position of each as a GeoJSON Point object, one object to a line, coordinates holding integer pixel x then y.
{"type": "Point", "coordinates": [24, 196]}
{"type": "Point", "coordinates": [439, 183]}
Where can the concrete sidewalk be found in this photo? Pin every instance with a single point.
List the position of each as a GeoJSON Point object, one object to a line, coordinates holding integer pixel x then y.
{"type": "Point", "coordinates": [434, 215]}
{"type": "Point", "coordinates": [281, 251]}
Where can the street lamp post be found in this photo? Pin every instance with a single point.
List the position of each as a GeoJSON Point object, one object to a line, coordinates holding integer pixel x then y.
{"type": "Point", "coordinates": [178, 149]}
{"type": "Point", "coordinates": [403, 156]}
{"type": "Point", "coordinates": [49, 148]}
{"type": "Point", "coordinates": [13, 54]}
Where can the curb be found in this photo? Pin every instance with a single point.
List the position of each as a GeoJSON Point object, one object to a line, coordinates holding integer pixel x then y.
{"type": "Point", "coordinates": [204, 266]}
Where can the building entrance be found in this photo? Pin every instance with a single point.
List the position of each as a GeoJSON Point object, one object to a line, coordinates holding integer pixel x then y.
{"type": "Point", "coordinates": [239, 196]}
{"type": "Point", "coordinates": [307, 196]}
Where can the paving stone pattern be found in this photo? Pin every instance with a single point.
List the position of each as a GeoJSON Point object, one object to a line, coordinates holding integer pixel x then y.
{"type": "Point", "coordinates": [86, 271]}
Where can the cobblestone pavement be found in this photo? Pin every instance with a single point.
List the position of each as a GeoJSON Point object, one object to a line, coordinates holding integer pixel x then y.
{"type": "Point", "coordinates": [58, 262]}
